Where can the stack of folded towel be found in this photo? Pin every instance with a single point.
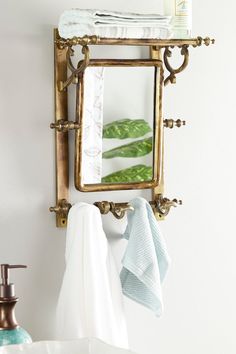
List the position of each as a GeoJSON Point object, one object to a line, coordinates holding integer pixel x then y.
{"type": "Point", "coordinates": [111, 24]}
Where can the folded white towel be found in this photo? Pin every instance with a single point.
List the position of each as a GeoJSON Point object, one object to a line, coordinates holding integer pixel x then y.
{"type": "Point", "coordinates": [78, 22]}
{"type": "Point", "coordinates": [90, 302]}
{"type": "Point", "coordinates": [103, 18]}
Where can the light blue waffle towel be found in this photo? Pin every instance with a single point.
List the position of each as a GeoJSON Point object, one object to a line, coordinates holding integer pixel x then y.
{"type": "Point", "coordinates": [146, 259]}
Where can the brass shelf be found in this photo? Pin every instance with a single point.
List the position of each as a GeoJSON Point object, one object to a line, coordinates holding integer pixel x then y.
{"type": "Point", "coordinates": [158, 44]}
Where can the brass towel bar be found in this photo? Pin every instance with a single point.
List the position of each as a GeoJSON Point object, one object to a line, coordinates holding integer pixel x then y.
{"type": "Point", "coordinates": [161, 206]}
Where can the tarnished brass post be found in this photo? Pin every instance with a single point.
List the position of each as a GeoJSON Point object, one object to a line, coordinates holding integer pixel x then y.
{"type": "Point", "coordinates": [61, 137]}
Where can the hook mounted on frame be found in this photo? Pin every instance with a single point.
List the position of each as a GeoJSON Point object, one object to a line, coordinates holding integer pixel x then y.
{"type": "Point", "coordinates": [161, 206]}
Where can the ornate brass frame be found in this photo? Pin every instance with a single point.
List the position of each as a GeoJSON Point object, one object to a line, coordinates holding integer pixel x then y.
{"type": "Point", "coordinates": [157, 127]}
{"type": "Point", "coordinates": [63, 50]}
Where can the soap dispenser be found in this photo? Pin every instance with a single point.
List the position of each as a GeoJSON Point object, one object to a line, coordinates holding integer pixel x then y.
{"type": "Point", "coordinates": [10, 331]}
{"type": "Point", "coordinates": [181, 12]}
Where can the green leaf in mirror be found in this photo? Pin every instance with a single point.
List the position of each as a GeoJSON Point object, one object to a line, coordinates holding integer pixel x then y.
{"type": "Point", "coordinates": [135, 149]}
{"type": "Point", "coordinates": [126, 128]}
{"type": "Point", "coordinates": [137, 173]}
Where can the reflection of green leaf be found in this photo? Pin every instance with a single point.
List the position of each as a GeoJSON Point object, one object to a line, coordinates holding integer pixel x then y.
{"type": "Point", "coordinates": [126, 128]}
{"type": "Point", "coordinates": [135, 149]}
{"type": "Point", "coordinates": [138, 173]}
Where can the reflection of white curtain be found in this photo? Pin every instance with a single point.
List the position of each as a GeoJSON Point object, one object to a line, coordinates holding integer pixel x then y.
{"type": "Point", "coordinates": [92, 125]}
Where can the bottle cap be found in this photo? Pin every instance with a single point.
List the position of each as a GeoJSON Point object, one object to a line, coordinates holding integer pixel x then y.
{"type": "Point", "coordinates": [7, 290]}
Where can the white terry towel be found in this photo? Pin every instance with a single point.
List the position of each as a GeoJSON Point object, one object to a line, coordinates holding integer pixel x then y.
{"type": "Point", "coordinates": [103, 23]}
{"type": "Point", "coordinates": [90, 302]}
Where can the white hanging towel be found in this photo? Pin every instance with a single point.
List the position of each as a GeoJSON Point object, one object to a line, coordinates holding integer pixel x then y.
{"type": "Point", "coordinates": [90, 302]}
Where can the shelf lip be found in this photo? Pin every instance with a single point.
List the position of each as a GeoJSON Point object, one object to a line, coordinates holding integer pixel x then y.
{"type": "Point", "coordinates": [145, 42]}
{"type": "Point", "coordinates": [161, 43]}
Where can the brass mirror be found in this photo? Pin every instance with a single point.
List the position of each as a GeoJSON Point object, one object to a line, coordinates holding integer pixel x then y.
{"type": "Point", "coordinates": [118, 108]}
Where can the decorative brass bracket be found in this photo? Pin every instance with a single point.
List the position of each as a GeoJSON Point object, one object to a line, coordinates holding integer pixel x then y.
{"type": "Point", "coordinates": [173, 72]}
{"type": "Point", "coordinates": [81, 66]}
{"type": "Point", "coordinates": [185, 53]}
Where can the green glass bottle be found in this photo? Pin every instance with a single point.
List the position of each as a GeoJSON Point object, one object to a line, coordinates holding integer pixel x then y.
{"type": "Point", "coordinates": [10, 331]}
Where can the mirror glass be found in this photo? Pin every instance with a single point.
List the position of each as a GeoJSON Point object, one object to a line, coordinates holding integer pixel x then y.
{"type": "Point", "coordinates": [118, 125]}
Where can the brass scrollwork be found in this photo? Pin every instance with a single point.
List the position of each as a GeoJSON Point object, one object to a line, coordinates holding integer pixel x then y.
{"type": "Point", "coordinates": [81, 66]}
{"type": "Point", "coordinates": [173, 72]}
{"type": "Point", "coordinates": [70, 42]}
{"type": "Point", "coordinates": [117, 209]}
{"type": "Point", "coordinates": [163, 205]}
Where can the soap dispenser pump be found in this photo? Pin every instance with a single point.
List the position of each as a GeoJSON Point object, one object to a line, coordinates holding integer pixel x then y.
{"type": "Point", "coordinates": [10, 331]}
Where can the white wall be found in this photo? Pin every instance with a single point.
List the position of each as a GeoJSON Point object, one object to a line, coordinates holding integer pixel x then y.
{"type": "Point", "coordinates": [200, 290]}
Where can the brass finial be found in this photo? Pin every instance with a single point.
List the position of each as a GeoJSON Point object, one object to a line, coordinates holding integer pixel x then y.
{"type": "Point", "coordinates": [171, 123]}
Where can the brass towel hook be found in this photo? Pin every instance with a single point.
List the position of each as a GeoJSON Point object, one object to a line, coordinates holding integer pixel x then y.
{"type": "Point", "coordinates": [117, 209]}
{"type": "Point", "coordinates": [163, 204]}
